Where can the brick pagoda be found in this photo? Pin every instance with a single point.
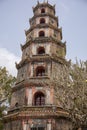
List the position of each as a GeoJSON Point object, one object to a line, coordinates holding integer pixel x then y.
{"type": "Point", "coordinates": [33, 102]}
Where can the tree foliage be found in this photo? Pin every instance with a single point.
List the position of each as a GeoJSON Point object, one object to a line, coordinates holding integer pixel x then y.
{"type": "Point", "coordinates": [71, 91]}
{"type": "Point", "coordinates": [78, 73]}
{"type": "Point", "coordinates": [6, 82]}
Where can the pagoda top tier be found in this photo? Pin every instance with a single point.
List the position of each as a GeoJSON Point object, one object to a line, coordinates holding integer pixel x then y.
{"type": "Point", "coordinates": [42, 5]}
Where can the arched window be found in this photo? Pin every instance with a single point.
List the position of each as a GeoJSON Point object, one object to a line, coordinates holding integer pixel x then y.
{"type": "Point", "coordinates": [41, 50]}
{"type": "Point", "coordinates": [42, 20]}
{"type": "Point", "coordinates": [39, 99]}
{"type": "Point", "coordinates": [40, 71]}
{"type": "Point", "coordinates": [41, 34]}
{"type": "Point", "coordinates": [42, 10]}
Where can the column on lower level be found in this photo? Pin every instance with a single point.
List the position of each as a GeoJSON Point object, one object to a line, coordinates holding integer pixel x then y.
{"type": "Point", "coordinates": [26, 126]}
{"type": "Point", "coordinates": [30, 96]}
{"type": "Point", "coordinates": [49, 126]}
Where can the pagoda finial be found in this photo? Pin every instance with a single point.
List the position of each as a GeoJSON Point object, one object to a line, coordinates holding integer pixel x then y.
{"type": "Point", "coordinates": [16, 64]}
{"type": "Point", "coordinates": [54, 5]}
{"type": "Point", "coordinates": [33, 7]}
{"type": "Point", "coordinates": [44, 1]}
{"type": "Point", "coordinates": [21, 46]}
{"type": "Point", "coordinates": [38, 2]}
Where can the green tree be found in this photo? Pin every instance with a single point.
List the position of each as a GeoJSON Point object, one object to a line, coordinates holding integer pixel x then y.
{"type": "Point", "coordinates": [78, 73]}
{"type": "Point", "coordinates": [71, 91]}
{"type": "Point", "coordinates": [6, 82]}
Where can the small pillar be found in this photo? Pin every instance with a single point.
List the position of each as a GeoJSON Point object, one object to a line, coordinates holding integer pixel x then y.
{"type": "Point", "coordinates": [49, 126]}
{"type": "Point", "coordinates": [24, 126]}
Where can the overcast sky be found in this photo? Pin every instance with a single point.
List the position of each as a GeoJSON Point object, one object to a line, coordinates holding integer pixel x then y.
{"type": "Point", "coordinates": [14, 19]}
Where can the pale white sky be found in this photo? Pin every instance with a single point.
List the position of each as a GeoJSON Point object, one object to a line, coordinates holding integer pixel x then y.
{"type": "Point", "coordinates": [14, 19]}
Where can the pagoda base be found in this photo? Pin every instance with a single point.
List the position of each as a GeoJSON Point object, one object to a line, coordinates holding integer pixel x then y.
{"type": "Point", "coordinates": [37, 118]}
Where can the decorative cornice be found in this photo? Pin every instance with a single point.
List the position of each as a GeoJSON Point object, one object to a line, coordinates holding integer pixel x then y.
{"type": "Point", "coordinates": [11, 117]}
{"type": "Point", "coordinates": [31, 81]}
{"type": "Point", "coordinates": [37, 81]}
{"type": "Point", "coordinates": [44, 15]}
{"type": "Point", "coordinates": [43, 40]}
{"type": "Point", "coordinates": [37, 112]}
{"type": "Point", "coordinates": [18, 86]}
{"type": "Point", "coordinates": [60, 60]}
{"type": "Point", "coordinates": [38, 58]}
{"type": "Point", "coordinates": [22, 63]}
{"type": "Point", "coordinates": [45, 25]}
{"type": "Point", "coordinates": [60, 30]}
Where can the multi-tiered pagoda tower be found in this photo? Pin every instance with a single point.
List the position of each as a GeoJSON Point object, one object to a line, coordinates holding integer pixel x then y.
{"type": "Point", "coordinates": [33, 103]}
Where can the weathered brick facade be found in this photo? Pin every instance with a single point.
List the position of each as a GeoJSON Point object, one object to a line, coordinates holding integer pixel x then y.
{"type": "Point", "coordinates": [33, 103]}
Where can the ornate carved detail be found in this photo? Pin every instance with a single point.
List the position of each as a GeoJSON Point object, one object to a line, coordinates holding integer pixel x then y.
{"type": "Point", "coordinates": [23, 62]}
{"type": "Point", "coordinates": [60, 60]}
{"type": "Point", "coordinates": [37, 111]}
